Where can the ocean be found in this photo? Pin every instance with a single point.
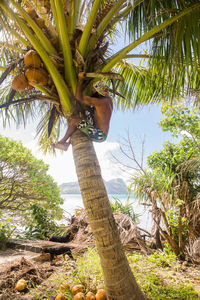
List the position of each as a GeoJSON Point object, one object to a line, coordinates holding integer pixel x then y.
{"type": "Point", "coordinates": [74, 201]}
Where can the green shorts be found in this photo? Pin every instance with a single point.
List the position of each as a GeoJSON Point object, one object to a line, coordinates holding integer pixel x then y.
{"type": "Point", "coordinates": [95, 134]}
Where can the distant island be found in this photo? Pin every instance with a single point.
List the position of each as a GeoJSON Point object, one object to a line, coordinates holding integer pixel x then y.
{"type": "Point", "coordinates": [113, 186]}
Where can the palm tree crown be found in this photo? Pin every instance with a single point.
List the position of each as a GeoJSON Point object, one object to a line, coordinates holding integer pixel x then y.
{"type": "Point", "coordinates": [46, 43]}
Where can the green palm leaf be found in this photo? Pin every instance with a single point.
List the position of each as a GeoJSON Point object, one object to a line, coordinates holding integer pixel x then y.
{"type": "Point", "coordinates": [178, 43]}
{"type": "Point", "coordinates": [43, 131]}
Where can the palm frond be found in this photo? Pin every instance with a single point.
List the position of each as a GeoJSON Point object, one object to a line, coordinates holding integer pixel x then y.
{"type": "Point", "coordinates": [103, 24]}
{"type": "Point", "coordinates": [141, 86]}
{"type": "Point", "coordinates": [88, 27]}
{"type": "Point", "coordinates": [21, 111]}
{"type": "Point", "coordinates": [179, 42]}
{"type": "Point", "coordinates": [8, 70]}
{"type": "Point", "coordinates": [12, 34]}
{"type": "Point", "coordinates": [148, 35]}
{"type": "Point", "coordinates": [190, 166]}
{"type": "Point", "coordinates": [52, 120]}
{"type": "Point", "coordinates": [43, 131]}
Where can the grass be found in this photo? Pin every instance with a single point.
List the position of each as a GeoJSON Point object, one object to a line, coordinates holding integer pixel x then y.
{"type": "Point", "coordinates": [159, 276]}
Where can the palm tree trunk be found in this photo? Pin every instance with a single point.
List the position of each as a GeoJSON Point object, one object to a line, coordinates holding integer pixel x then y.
{"type": "Point", "coordinates": [119, 280]}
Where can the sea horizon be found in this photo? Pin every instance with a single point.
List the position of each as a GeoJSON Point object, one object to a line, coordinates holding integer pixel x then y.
{"type": "Point", "coordinates": [73, 202]}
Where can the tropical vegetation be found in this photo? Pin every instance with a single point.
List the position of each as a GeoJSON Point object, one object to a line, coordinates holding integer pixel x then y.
{"type": "Point", "coordinates": [161, 276]}
{"type": "Point", "coordinates": [49, 32]}
{"type": "Point", "coordinates": [171, 182]}
{"type": "Point", "coordinates": [24, 181]}
{"type": "Point", "coordinates": [29, 197]}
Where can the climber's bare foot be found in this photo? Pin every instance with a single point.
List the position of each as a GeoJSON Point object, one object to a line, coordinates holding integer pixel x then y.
{"type": "Point", "coordinates": [61, 146]}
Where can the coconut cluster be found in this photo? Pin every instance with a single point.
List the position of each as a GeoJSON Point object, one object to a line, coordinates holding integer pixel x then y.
{"type": "Point", "coordinates": [79, 293]}
{"type": "Point", "coordinates": [32, 74]}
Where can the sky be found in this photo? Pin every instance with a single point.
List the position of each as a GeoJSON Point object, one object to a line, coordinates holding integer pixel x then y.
{"type": "Point", "coordinates": [142, 123]}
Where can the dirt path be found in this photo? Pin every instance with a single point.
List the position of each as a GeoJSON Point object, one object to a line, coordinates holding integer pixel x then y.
{"type": "Point", "coordinates": [9, 256]}
{"type": "Point", "coordinates": [16, 264]}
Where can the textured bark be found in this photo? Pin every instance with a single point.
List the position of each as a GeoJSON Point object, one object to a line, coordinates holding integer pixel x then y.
{"type": "Point", "coordinates": [119, 280]}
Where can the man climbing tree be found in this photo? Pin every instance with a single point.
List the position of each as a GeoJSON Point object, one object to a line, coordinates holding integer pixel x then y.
{"type": "Point", "coordinates": [44, 49]}
{"type": "Point", "coordinates": [96, 127]}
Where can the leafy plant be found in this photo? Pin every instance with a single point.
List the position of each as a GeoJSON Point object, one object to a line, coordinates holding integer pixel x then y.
{"type": "Point", "coordinates": [172, 218]}
{"type": "Point", "coordinates": [171, 184]}
{"type": "Point", "coordinates": [6, 231]}
{"type": "Point", "coordinates": [41, 224]}
{"type": "Point", "coordinates": [125, 208]}
{"type": "Point", "coordinates": [150, 273]}
{"type": "Point", "coordinates": [164, 259]}
{"type": "Point", "coordinates": [24, 181]}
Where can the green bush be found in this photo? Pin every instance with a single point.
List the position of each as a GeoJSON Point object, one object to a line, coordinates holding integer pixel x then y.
{"type": "Point", "coordinates": [6, 231]}
{"type": "Point", "coordinates": [41, 224]}
{"type": "Point", "coordinates": [126, 208]}
{"type": "Point", "coordinates": [172, 218]}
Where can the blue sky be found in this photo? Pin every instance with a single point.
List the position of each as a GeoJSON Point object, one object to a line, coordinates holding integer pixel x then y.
{"type": "Point", "coordinates": [140, 123]}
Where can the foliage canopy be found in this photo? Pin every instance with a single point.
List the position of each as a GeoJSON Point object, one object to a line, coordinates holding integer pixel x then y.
{"type": "Point", "coordinates": [24, 181]}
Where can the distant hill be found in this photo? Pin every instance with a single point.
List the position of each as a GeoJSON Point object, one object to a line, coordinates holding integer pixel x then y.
{"type": "Point", "coordinates": [113, 186]}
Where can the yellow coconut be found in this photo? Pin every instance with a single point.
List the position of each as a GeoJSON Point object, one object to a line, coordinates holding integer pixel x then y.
{"type": "Point", "coordinates": [32, 59]}
{"type": "Point", "coordinates": [19, 83]}
{"type": "Point", "coordinates": [78, 288]}
{"type": "Point", "coordinates": [79, 296]}
{"type": "Point", "coordinates": [21, 285]}
{"type": "Point", "coordinates": [31, 12]}
{"type": "Point", "coordinates": [37, 76]}
{"type": "Point", "coordinates": [40, 22]}
{"type": "Point", "coordinates": [90, 296]}
{"type": "Point", "coordinates": [60, 297]}
{"type": "Point", "coordinates": [101, 295]}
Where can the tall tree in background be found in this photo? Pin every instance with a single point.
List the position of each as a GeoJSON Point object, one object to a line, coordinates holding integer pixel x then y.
{"type": "Point", "coordinates": [171, 182]}
{"type": "Point", "coordinates": [46, 84]}
{"type": "Point", "coordinates": [24, 181]}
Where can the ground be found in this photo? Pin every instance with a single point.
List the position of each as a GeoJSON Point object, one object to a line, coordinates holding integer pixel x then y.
{"type": "Point", "coordinates": [44, 278]}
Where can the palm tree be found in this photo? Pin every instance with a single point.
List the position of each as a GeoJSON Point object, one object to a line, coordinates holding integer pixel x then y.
{"type": "Point", "coordinates": [51, 29]}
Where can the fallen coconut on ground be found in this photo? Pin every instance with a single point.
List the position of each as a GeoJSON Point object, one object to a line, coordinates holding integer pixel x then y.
{"type": "Point", "coordinates": [60, 297]}
{"type": "Point", "coordinates": [78, 288]}
{"type": "Point", "coordinates": [101, 295]}
{"type": "Point", "coordinates": [21, 285]}
{"type": "Point", "coordinates": [79, 296]}
{"type": "Point", "coordinates": [90, 296]}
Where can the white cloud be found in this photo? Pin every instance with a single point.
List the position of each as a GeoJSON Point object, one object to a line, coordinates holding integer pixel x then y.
{"type": "Point", "coordinates": [61, 166]}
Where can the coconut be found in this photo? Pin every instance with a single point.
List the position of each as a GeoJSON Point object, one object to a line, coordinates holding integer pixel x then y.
{"type": "Point", "coordinates": [78, 288]}
{"type": "Point", "coordinates": [40, 22]}
{"type": "Point", "coordinates": [90, 296]}
{"type": "Point", "coordinates": [31, 12]}
{"type": "Point", "coordinates": [19, 83]}
{"type": "Point", "coordinates": [60, 297]}
{"type": "Point", "coordinates": [21, 285]}
{"type": "Point", "coordinates": [79, 296]}
{"type": "Point", "coordinates": [101, 295]}
{"type": "Point", "coordinates": [37, 76]}
{"type": "Point", "coordinates": [32, 59]}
